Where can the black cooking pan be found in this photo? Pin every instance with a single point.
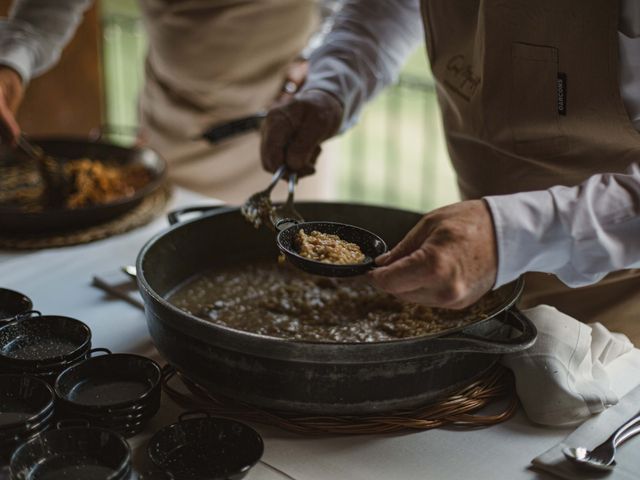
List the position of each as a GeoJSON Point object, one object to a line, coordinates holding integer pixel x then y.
{"type": "Point", "coordinates": [306, 376]}
{"type": "Point", "coordinates": [15, 220]}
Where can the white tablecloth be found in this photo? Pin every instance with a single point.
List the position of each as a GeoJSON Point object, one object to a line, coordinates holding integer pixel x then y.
{"type": "Point", "coordinates": [58, 281]}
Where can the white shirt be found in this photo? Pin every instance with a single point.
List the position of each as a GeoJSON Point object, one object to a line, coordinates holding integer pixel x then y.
{"type": "Point", "coordinates": [578, 233]}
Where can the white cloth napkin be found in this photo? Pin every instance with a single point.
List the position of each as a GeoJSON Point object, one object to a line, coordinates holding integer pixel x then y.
{"type": "Point", "coordinates": [590, 434]}
{"type": "Point", "coordinates": [562, 379]}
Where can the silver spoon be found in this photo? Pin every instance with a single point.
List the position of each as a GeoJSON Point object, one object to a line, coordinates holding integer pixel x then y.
{"type": "Point", "coordinates": [602, 457]}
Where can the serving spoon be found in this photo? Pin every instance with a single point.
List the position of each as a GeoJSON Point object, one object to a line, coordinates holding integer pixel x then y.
{"type": "Point", "coordinates": [603, 456]}
{"type": "Point", "coordinates": [287, 222]}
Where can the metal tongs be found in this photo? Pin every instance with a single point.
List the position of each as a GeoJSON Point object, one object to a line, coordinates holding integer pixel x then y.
{"type": "Point", "coordinates": [258, 209]}
{"type": "Point", "coordinates": [51, 171]}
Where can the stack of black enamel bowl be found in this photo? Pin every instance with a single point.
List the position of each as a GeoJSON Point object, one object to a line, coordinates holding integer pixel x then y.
{"type": "Point", "coordinates": [73, 453]}
{"type": "Point", "coordinates": [12, 305]}
{"type": "Point", "coordinates": [43, 346]}
{"type": "Point", "coordinates": [26, 409]}
{"type": "Point", "coordinates": [118, 391]}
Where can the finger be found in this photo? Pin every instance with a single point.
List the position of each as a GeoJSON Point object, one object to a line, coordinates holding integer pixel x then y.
{"type": "Point", "coordinates": [9, 128]}
{"type": "Point", "coordinates": [410, 243]}
{"type": "Point", "coordinates": [409, 273]}
{"type": "Point", "coordinates": [276, 134]}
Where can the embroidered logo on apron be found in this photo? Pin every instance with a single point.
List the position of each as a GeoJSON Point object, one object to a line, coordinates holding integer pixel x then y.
{"type": "Point", "coordinates": [561, 84]}
{"type": "Point", "coordinates": [460, 77]}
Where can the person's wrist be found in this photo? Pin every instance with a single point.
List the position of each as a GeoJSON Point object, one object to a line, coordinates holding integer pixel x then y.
{"type": "Point", "coordinates": [12, 86]}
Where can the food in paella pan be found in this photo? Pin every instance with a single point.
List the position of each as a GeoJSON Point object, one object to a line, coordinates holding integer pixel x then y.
{"type": "Point", "coordinates": [327, 248]}
{"type": "Point", "coordinates": [89, 182]}
{"type": "Point", "coordinates": [280, 301]}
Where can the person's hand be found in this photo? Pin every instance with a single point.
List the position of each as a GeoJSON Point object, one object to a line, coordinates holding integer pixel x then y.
{"type": "Point", "coordinates": [294, 129]}
{"type": "Point", "coordinates": [449, 259]}
{"type": "Point", "coordinates": [11, 93]}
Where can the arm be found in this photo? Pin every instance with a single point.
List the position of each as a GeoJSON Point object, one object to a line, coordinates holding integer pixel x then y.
{"type": "Point", "coordinates": [31, 40]}
{"type": "Point", "coordinates": [364, 51]}
{"type": "Point", "coordinates": [455, 254]}
{"type": "Point", "coordinates": [578, 233]}
{"type": "Point", "coordinates": [35, 33]}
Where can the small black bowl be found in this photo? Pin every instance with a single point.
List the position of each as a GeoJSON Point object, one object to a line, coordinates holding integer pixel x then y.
{"type": "Point", "coordinates": [109, 382]}
{"type": "Point", "coordinates": [46, 341]}
{"type": "Point", "coordinates": [73, 453]}
{"type": "Point", "coordinates": [23, 400]}
{"type": "Point", "coordinates": [13, 304]}
{"type": "Point", "coordinates": [370, 244]}
{"type": "Point", "coordinates": [206, 448]}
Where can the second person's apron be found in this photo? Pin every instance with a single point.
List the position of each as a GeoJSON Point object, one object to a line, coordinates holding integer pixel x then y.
{"type": "Point", "coordinates": [530, 98]}
{"type": "Point", "coordinates": [210, 62]}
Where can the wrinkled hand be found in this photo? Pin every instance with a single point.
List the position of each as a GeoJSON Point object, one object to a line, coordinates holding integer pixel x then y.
{"type": "Point", "coordinates": [11, 93]}
{"type": "Point", "coordinates": [449, 259]}
{"type": "Point", "coordinates": [294, 129]}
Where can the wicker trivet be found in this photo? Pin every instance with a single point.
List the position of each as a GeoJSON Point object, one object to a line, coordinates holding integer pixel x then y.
{"type": "Point", "coordinates": [147, 210]}
{"type": "Point", "coordinates": [457, 409]}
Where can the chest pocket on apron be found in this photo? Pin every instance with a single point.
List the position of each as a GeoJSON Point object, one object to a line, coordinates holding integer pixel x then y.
{"type": "Point", "coordinates": [537, 99]}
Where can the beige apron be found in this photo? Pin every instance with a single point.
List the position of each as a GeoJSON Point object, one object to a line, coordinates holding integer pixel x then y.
{"type": "Point", "coordinates": [211, 61]}
{"type": "Point", "coordinates": [530, 98]}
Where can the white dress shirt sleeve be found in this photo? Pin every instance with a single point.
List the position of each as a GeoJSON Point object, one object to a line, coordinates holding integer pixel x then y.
{"type": "Point", "coordinates": [36, 31]}
{"type": "Point", "coordinates": [364, 51]}
{"type": "Point", "coordinates": [577, 233]}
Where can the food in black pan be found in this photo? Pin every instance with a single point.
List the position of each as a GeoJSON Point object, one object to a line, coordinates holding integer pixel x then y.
{"type": "Point", "coordinates": [328, 248]}
{"type": "Point", "coordinates": [281, 301]}
{"type": "Point", "coordinates": [94, 182]}
{"type": "Point", "coordinates": [89, 182]}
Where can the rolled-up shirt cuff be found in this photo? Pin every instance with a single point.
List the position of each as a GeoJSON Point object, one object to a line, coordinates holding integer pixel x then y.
{"type": "Point", "coordinates": [19, 57]}
{"type": "Point", "coordinates": [529, 237]}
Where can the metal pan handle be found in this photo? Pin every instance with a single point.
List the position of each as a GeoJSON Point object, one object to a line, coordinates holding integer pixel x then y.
{"type": "Point", "coordinates": [174, 216]}
{"type": "Point", "coordinates": [465, 341]}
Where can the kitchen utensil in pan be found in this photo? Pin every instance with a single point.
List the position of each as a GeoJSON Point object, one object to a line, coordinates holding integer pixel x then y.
{"type": "Point", "coordinates": [73, 453]}
{"type": "Point", "coordinates": [12, 304]}
{"type": "Point", "coordinates": [14, 219]}
{"type": "Point", "coordinates": [51, 170]}
{"type": "Point", "coordinates": [257, 209]}
{"type": "Point", "coordinates": [201, 447]}
{"type": "Point", "coordinates": [305, 376]}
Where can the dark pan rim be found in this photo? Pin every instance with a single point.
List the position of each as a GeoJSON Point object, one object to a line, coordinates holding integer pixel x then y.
{"type": "Point", "coordinates": [511, 298]}
{"type": "Point", "coordinates": [158, 178]}
{"type": "Point", "coordinates": [86, 364]}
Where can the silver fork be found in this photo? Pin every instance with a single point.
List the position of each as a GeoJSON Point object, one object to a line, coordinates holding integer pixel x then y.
{"type": "Point", "coordinates": [257, 209]}
{"type": "Point", "coordinates": [286, 214]}
{"type": "Point", "coordinates": [603, 456]}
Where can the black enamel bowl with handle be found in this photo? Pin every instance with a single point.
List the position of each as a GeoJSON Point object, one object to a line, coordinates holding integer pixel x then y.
{"type": "Point", "coordinates": [13, 304]}
{"type": "Point", "coordinates": [306, 376]}
{"type": "Point", "coordinates": [201, 447]}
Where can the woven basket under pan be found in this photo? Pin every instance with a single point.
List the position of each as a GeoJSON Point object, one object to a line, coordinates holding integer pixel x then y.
{"type": "Point", "coordinates": [459, 409]}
